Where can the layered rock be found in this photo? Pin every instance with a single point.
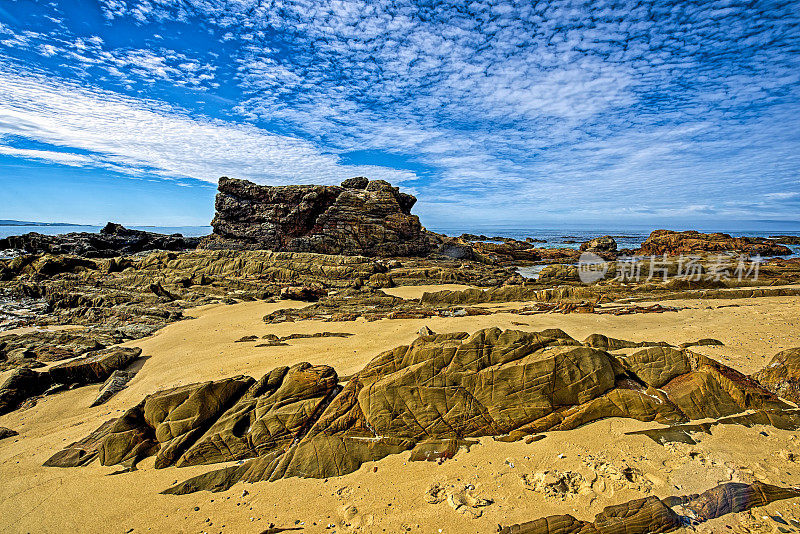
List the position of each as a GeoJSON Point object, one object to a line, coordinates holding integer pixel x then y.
{"type": "Point", "coordinates": [782, 375]}
{"type": "Point", "coordinates": [113, 240]}
{"type": "Point", "coordinates": [95, 366]}
{"type": "Point", "coordinates": [360, 217]}
{"type": "Point", "coordinates": [604, 246]}
{"type": "Point", "coordinates": [652, 515]}
{"type": "Point", "coordinates": [428, 396]}
{"type": "Point", "coordinates": [674, 243]}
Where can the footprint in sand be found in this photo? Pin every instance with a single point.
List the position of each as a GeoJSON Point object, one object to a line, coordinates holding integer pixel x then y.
{"type": "Point", "coordinates": [461, 499]}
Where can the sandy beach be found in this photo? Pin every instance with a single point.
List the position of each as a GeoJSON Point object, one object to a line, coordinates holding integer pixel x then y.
{"type": "Point", "coordinates": [389, 495]}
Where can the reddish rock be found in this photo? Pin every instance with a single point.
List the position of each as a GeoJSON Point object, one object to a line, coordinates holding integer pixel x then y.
{"type": "Point", "coordinates": [676, 243]}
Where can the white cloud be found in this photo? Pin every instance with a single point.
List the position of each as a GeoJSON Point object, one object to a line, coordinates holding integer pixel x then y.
{"type": "Point", "coordinates": [150, 137]}
{"type": "Point", "coordinates": [63, 158]}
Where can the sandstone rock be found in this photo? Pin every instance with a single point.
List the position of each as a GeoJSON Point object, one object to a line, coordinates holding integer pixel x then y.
{"type": "Point", "coordinates": [734, 497]}
{"type": "Point", "coordinates": [656, 366]}
{"type": "Point", "coordinates": [113, 385]}
{"type": "Point", "coordinates": [652, 515]}
{"type": "Point", "coordinates": [21, 384]}
{"type": "Point", "coordinates": [782, 375]}
{"type": "Point", "coordinates": [309, 293]}
{"type": "Point", "coordinates": [600, 341]}
{"type": "Point", "coordinates": [649, 514]}
{"type": "Point", "coordinates": [554, 524]}
{"type": "Point", "coordinates": [604, 246]}
{"type": "Point", "coordinates": [358, 182]}
{"type": "Point", "coordinates": [270, 415]}
{"type": "Point", "coordinates": [81, 452]}
{"type": "Point", "coordinates": [714, 390]}
{"type": "Point", "coordinates": [96, 367]}
{"type": "Point", "coordinates": [374, 220]}
{"type": "Point", "coordinates": [425, 331]}
{"type": "Point", "coordinates": [674, 243]}
{"type": "Point", "coordinates": [705, 342]}
{"type": "Point", "coordinates": [430, 396]}
{"type": "Point", "coordinates": [169, 422]}
{"type": "Point", "coordinates": [456, 251]}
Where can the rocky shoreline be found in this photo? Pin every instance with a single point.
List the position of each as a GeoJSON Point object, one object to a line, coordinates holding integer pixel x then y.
{"type": "Point", "coordinates": [78, 308]}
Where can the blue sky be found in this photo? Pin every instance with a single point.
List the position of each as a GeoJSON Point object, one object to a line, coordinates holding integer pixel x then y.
{"type": "Point", "coordinates": [533, 113]}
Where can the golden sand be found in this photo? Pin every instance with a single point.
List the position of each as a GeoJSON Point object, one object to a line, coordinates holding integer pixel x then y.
{"type": "Point", "coordinates": [389, 495]}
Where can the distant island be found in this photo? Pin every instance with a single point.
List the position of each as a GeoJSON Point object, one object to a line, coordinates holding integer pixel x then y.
{"type": "Point", "coordinates": [12, 222]}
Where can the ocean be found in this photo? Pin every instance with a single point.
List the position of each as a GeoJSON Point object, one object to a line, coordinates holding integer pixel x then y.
{"type": "Point", "coordinates": [188, 231]}
{"type": "Point", "coordinates": [562, 237]}
{"type": "Point", "coordinates": [572, 236]}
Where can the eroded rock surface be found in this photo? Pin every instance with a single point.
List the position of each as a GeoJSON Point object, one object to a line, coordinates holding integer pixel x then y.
{"type": "Point", "coordinates": [652, 515]}
{"type": "Point", "coordinates": [372, 219]}
{"type": "Point", "coordinates": [674, 243]}
{"type": "Point", "coordinates": [96, 366]}
{"type": "Point", "coordinates": [433, 394]}
{"type": "Point", "coordinates": [782, 375]}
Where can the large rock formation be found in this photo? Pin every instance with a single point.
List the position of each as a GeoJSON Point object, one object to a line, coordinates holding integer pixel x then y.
{"type": "Point", "coordinates": [113, 240]}
{"type": "Point", "coordinates": [299, 421]}
{"type": "Point", "coordinates": [360, 217]}
{"type": "Point", "coordinates": [674, 243]}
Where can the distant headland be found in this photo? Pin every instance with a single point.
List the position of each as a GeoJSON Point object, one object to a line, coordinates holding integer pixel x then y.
{"type": "Point", "coordinates": [12, 222]}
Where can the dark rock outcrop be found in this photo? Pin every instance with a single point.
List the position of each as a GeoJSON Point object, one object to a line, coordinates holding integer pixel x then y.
{"type": "Point", "coordinates": [674, 243]}
{"type": "Point", "coordinates": [786, 239]}
{"type": "Point", "coordinates": [113, 240]}
{"type": "Point", "coordinates": [356, 218]}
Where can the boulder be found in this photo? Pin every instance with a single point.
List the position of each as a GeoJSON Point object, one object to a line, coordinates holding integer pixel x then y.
{"type": "Point", "coordinates": [604, 246]}
{"type": "Point", "coordinates": [734, 497]}
{"type": "Point", "coordinates": [21, 384]}
{"type": "Point", "coordinates": [7, 432]}
{"type": "Point", "coordinates": [97, 366]}
{"type": "Point", "coordinates": [372, 219]}
{"type": "Point", "coordinates": [113, 385]}
{"type": "Point", "coordinates": [782, 375]}
{"type": "Point", "coordinates": [640, 516]}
